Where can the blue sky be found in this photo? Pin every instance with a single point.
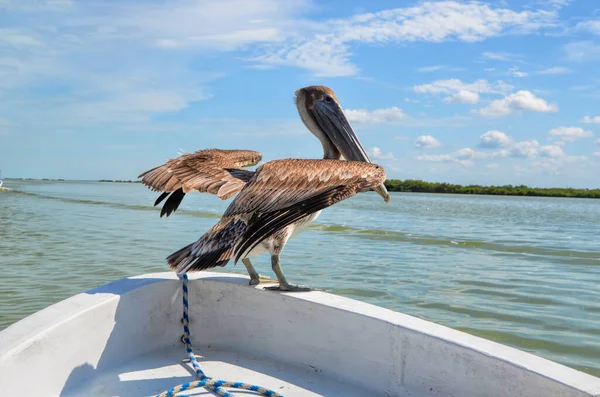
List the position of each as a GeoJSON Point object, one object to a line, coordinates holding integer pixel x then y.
{"type": "Point", "coordinates": [455, 91]}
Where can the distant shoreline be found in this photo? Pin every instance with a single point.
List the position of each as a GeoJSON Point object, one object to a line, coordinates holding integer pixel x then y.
{"type": "Point", "coordinates": [419, 186]}
{"type": "Point", "coordinates": [118, 181]}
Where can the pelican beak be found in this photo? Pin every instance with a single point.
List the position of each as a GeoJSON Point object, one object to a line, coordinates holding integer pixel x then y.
{"type": "Point", "coordinates": [333, 122]}
{"type": "Point", "coordinates": [382, 191]}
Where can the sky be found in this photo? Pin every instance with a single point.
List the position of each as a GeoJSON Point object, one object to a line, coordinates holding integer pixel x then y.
{"type": "Point", "coordinates": [497, 92]}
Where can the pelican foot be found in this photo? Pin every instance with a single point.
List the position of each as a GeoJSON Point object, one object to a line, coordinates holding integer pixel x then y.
{"type": "Point", "coordinates": [291, 288]}
{"type": "Point", "coordinates": [259, 279]}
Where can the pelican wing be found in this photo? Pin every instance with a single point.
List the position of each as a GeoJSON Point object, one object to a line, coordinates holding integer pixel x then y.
{"type": "Point", "coordinates": [282, 192]}
{"type": "Point", "coordinates": [213, 171]}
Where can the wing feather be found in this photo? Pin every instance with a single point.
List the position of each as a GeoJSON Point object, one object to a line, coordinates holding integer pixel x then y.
{"type": "Point", "coordinates": [282, 192]}
{"type": "Point", "coordinates": [213, 171]}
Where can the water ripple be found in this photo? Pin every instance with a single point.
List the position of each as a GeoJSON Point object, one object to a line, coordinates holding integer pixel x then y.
{"type": "Point", "coordinates": [518, 270]}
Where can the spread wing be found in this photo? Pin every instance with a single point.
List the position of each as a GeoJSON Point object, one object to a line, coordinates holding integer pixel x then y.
{"type": "Point", "coordinates": [213, 171]}
{"type": "Point", "coordinates": [282, 192]}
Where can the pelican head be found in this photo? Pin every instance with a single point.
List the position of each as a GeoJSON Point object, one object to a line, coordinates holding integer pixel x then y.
{"type": "Point", "coordinates": [322, 114]}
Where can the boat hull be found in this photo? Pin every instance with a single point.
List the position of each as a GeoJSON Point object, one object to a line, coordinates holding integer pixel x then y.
{"type": "Point", "coordinates": [123, 338]}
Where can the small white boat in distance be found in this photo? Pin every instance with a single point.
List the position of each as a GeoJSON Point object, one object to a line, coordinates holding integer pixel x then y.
{"type": "Point", "coordinates": [123, 339]}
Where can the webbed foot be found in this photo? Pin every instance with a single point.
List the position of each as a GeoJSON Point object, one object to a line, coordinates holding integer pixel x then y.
{"type": "Point", "coordinates": [259, 279]}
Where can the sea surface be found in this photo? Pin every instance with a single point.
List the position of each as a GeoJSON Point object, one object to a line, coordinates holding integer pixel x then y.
{"type": "Point", "coordinates": [523, 271]}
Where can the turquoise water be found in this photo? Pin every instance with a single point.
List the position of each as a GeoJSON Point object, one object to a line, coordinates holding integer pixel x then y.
{"type": "Point", "coordinates": [522, 271]}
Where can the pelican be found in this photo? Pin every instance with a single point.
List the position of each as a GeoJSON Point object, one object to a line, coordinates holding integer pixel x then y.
{"type": "Point", "coordinates": [276, 201]}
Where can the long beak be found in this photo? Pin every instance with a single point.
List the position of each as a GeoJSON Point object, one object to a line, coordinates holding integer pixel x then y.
{"type": "Point", "coordinates": [333, 122]}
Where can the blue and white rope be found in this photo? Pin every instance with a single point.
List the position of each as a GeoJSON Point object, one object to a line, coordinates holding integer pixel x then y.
{"type": "Point", "coordinates": [215, 386]}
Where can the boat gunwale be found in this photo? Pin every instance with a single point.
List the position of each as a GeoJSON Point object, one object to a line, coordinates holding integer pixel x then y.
{"type": "Point", "coordinates": [23, 333]}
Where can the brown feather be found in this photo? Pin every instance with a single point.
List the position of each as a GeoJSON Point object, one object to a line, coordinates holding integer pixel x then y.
{"type": "Point", "coordinates": [279, 193]}
{"type": "Point", "coordinates": [205, 171]}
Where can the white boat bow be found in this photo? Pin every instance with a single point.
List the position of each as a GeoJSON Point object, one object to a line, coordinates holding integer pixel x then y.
{"type": "Point", "coordinates": [123, 339]}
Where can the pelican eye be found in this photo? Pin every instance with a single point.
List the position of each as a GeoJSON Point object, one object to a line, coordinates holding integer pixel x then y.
{"type": "Point", "coordinates": [328, 99]}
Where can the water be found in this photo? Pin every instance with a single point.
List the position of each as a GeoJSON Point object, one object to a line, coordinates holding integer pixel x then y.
{"type": "Point", "coordinates": [522, 271]}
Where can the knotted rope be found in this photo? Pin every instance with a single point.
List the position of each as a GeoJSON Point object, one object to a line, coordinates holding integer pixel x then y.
{"type": "Point", "coordinates": [212, 385]}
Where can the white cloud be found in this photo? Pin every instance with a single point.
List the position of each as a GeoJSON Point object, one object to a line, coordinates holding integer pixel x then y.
{"type": "Point", "coordinates": [551, 151]}
{"type": "Point", "coordinates": [378, 116]}
{"type": "Point", "coordinates": [427, 142]}
{"type": "Point", "coordinates": [377, 154]}
{"type": "Point", "coordinates": [436, 68]}
{"type": "Point", "coordinates": [518, 101]}
{"type": "Point", "coordinates": [430, 68]}
{"type": "Point", "coordinates": [581, 51]}
{"type": "Point", "coordinates": [463, 157]}
{"type": "Point", "coordinates": [453, 86]}
{"type": "Point", "coordinates": [463, 96]}
{"type": "Point", "coordinates": [554, 70]}
{"type": "Point", "coordinates": [492, 166]}
{"type": "Point", "coordinates": [570, 134]}
{"type": "Point", "coordinates": [598, 142]}
{"type": "Point", "coordinates": [525, 149]}
{"type": "Point", "coordinates": [596, 154]}
{"type": "Point", "coordinates": [74, 47]}
{"type": "Point", "coordinates": [501, 56]}
{"type": "Point", "coordinates": [516, 73]}
{"type": "Point", "coordinates": [17, 39]}
{"type": "Point", "coordinates": [592, 26]}
{"type": "Point", "coordinates": [436, 157]}
{"type": "Point", "coordinates": [323, 56]}
{"type": "Point", "coordinates": [495, 139]}
{"type": "Point", "coordinates": [556, 4]}
{"type": "Point", "coordinates": [327, 52]}
{"type": "Point", "coordinates": [591, 120]}
{"type": "Point", "coordinates": [464, 154]}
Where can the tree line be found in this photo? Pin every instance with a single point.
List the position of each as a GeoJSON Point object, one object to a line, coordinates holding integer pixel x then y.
{"type": "Point", "coordinates": [413, 185]}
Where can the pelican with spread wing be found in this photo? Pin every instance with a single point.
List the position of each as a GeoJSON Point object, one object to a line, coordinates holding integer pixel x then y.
{"type": "Point", "coordinates": [276, 201]}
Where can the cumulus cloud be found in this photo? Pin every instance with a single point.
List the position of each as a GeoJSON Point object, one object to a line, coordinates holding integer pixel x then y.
{"type": "Point", "coordinates": [427, 142]}
{"type": "Point", "coordinates": [463, 96]}
{"type": "Point", "coordinates": [506, 148]}
{"type": "Point", "coordinates": [464, 157]}
{"type": "Point", "coordinates": [518, 101]}
{"type": "Point", "coordinates": [445, 158]}
{"type": "Point", "coordinates": [570, 134]}
{"type": "Point", "coordinates": [464, 153]}
{"type": "Point", "coordinates": [378, 116]}
{"type": "Point", "coordinates": [525, 149]}
{"type": "Point", "coordinates": [591, 120]}
{"type": "Point", "coordinates": [377, 154]}
{"type": "Point", "coordinates": [494, 140]}
{"type": "Point", "coordinates": [551, 151]}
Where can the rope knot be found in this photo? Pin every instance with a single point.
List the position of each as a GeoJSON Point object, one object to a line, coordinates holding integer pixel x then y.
{"type": "Point", "coordinates": [214, 386]}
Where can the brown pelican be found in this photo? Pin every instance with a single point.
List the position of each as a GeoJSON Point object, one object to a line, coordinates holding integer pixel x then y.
{"type": "Point", "coordinates": [276, 201]}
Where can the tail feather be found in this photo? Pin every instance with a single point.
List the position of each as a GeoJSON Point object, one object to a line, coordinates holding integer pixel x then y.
{"type": "Point", "coordinates": [214, 248]}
